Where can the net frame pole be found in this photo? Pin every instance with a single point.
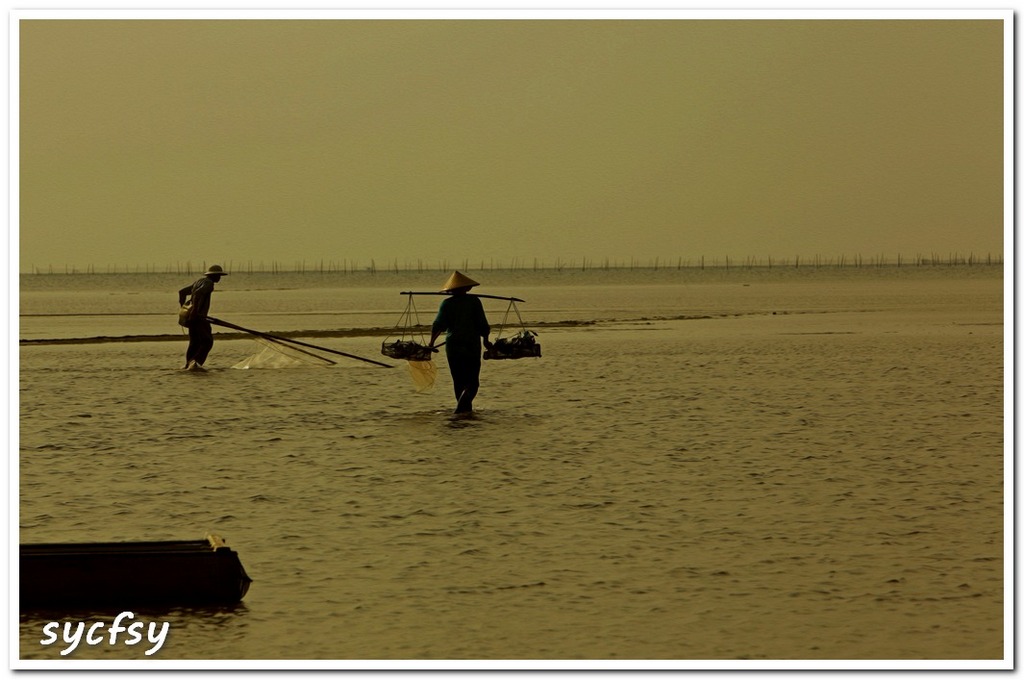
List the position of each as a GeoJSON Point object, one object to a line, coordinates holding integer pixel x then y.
{"type": "Point", "coordinates": [218, 322]}
{"type": "Point", "coordinates": [272, 342]}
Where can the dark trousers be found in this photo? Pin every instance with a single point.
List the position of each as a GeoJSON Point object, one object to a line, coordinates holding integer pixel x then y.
{"type": "Point", "coordinates": [200, 341]}
{"type": "Point", "coordinates": [464, 364]}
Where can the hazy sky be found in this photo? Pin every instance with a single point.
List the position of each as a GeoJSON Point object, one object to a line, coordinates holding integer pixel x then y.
{"type": "Point", "coordinates": [150, 143]}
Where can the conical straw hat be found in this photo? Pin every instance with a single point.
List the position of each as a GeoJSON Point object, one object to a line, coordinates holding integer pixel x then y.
{"type": "Point", "coordinates": [458, 280]}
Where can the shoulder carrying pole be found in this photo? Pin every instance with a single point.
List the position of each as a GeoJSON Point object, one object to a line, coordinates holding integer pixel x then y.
{"type": "Point", "coordinates": [492, 297]}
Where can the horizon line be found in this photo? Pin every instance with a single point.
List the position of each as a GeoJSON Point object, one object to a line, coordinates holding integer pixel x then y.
{"type": "Point", "coordinates": [346, 266]}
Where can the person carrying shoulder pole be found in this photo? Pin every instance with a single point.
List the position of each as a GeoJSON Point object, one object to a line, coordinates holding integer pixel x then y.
{"type": "Point", "coordinates": [200, 332]}
{"type": "Point", "coordinates": [461, 318]}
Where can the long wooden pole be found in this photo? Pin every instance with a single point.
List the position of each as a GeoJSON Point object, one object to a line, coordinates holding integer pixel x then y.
{"type": "Point", "coordinates": [332, 362]}
{"type": "Point", "coordinates": [278, 338]}
{"type": "Point", "coordinates": [492, 297]}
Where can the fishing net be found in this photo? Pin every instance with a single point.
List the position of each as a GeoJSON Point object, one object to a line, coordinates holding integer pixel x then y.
{"type": "Point", "coordinates": [423, 373]}
{"type": "Point", "coordinates": [270, 354]}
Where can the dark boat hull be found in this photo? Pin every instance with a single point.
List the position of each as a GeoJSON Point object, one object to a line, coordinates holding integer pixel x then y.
{"type": "Point", "coordinates": [156, 573]}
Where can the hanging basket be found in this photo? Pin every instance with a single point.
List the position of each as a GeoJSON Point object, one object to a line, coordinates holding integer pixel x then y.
{"type": "Point", "coordinates": [406, 345]}
{"type": "Point", "coordinates": [522, 344]}
{"type": "Point", "coordinates": [406, 349]}
{"type": "Point", "coordinates": [519, 346]}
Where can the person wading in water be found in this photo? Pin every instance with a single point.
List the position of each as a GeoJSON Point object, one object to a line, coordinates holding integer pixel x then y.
{"type": "Point", "coordinates": [200, 333]}
{"type": "Point", "coordinates": [461, 318]}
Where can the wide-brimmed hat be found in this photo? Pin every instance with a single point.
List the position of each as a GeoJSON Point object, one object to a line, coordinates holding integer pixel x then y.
{"type": "Point", "coordinates": [458, 280]}
{"type": "Point", "coordinates": [215, 269]}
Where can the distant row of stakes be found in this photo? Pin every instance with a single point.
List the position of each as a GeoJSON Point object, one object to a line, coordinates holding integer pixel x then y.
{"type": "Point", "coordinates": [517, 264]}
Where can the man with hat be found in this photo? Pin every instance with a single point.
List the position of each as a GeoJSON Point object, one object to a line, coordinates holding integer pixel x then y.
{"type": "Point", "coordinates": [200, 333]}
{"type": "Point", "coordinates": [461, 317]}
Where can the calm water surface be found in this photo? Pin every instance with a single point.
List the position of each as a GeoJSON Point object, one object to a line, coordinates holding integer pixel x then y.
{"type": "Point", "coordinates": [753, 464]}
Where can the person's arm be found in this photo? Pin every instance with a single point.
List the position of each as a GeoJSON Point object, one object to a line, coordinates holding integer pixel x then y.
{"type": "Point", "coordinates": [440, 324]}
{"type": "Point", "coordinates": [484, 327]}
{"type": "Point", "coordinates": [183, 293]}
